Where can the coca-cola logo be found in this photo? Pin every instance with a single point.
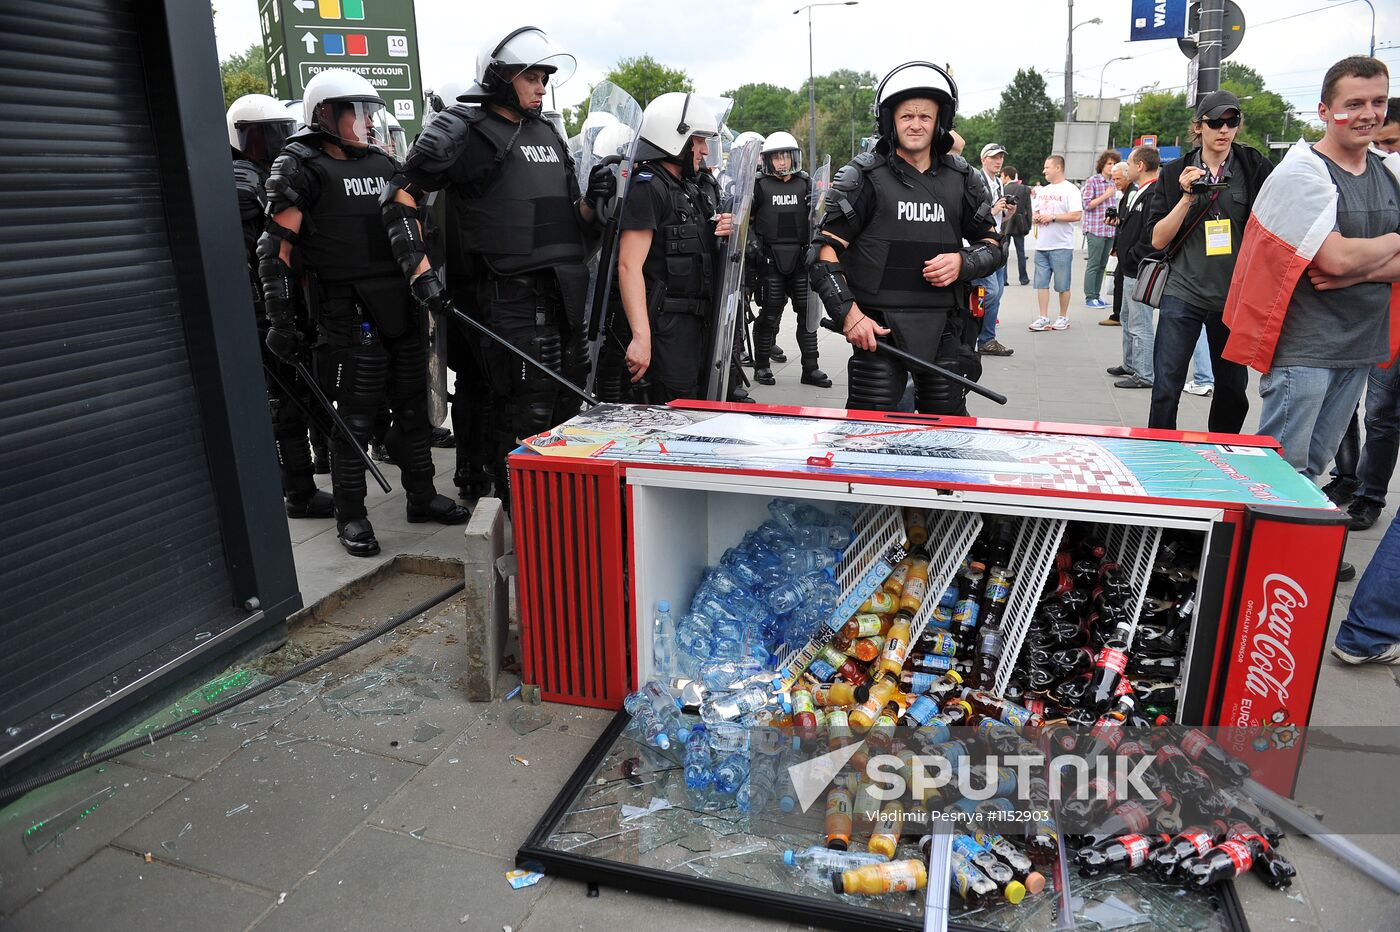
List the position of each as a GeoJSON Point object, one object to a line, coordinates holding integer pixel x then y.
{"type": "Point", "coordinates": [1271, 660]}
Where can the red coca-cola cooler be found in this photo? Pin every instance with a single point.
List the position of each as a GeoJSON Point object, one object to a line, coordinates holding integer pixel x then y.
{"type": "Point", "coordinates": [625, 505]}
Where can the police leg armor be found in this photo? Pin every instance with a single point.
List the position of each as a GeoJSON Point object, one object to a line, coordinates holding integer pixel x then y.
{"type": "Point", "coordinates": [303, 499]}
{"type": "Point", "coordinates": [525, 311]}
{"type": "Point", "coordinates": [772, 295]}
{"type": "Point", "coordinates": [355, 374]}
{"type": "Point", "coordinates": [573, 364]}
{"type": "Point", "coordinates": [409, 437]}
{"type": "Point", "coordinates": [874, 382]}
{"type": "Point", "coordinates": [927, 335]}
{"type": "Point", "coordinates": [471, 414]}
{"type": "Point", "coordinates": [799, 290]}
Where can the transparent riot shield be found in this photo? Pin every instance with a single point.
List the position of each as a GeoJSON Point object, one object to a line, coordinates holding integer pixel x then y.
{"type": "Point", "coordinates": [821, 182]}
{"type": "Point", "coordinates": [609, 134]}
{"type": "Point", "coordinates": [437, 370]}
{"type": "Point", "coordinates": [738, 177]}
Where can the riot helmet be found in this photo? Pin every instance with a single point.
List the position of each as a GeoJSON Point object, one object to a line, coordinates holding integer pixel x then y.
{"type": "Point", "coordinates": [499, 62]}
{"type": "Point", "coordinates": [614, 138]}
{"type": "Point", "coordinates": [341, 106]}
{"type": "Point", "coordinates": [784, 143]}
{"type": "Point", "coordinates": [258, 127]}
{"type": "Point", "coordinates": [439, 97]}
{"type": "Point", "coordinates": [745, 137]}
{"type": "Point", "coordinates": [556, 119]}
{"type": "Point", "coordinates": [670, 124]}
{"type": "Point", "coordinates": [909, 80]}
{"type": "Point", "coordinates": [389, 136]}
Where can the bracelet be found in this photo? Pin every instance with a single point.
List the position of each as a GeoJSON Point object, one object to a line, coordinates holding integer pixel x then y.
{"type": "Point", "coordinates": [847, 330]}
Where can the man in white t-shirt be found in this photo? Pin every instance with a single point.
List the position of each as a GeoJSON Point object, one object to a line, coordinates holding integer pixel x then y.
{"type": "Point", "coordinates": [1056, 207]}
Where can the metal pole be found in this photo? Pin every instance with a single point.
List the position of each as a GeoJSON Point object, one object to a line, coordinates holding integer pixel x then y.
{"type": "Point", "coordinates": [1069, 66]}
{"type": "Point", "coordinates": [853, 122]}
{"type": "Point", "coordinates": [1373, 27]}
{"type": "Point", "coordinates": [811, 96]}
{"type": "Point", "coordinates": [1208, 51]}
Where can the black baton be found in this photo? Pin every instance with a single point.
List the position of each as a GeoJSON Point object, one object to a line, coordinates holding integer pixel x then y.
{"type": "Point", "coordinates": [487, 332]}
{"type": "Point", "coordinates": [340, 423]}
{"type": "Point", "coordinates": [912, 360]}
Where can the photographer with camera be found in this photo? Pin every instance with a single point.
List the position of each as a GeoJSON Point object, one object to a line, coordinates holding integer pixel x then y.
{"type": "Point", "coordinates": [1197, 215]}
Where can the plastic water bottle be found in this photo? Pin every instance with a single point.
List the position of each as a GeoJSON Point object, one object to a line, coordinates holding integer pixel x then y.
{"type": "Point", "coordinates": [783, 599]}
{"type": "Point", "coordinates": [806, 561]}
{"type": "Point", "coordinates": [663, 641]}
{"type": "Point", "coordinates": [725, 738]}
{"type": "Point", "coordinates": [699, 762]}
{"type": "Point", "coordinates": [730, 707]}
{"type": "Point", "coordinates": [731, 773]}
{"type": "Point", "coordinates": [758, 790]}
{"type": "Point", "coordinates": [644, 716]}
{"type": "Point", "coordinates": [667, 708]}
{"type": "Point", "coordinates": [820, 862]}
{"type": "Point", "coordinates": [728, 674]}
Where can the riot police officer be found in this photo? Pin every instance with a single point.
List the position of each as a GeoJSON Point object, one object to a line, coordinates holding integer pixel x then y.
{"type": "Point", "coordinates": [323, 196]}
{"type": "Point", "coordinates": [520, 227]}
{"type": "Point", "coordinates": [778, 238]}
{"type": "Point", "coordinates": [258, 127]}
{"type": "Point", "coordinates": [667, 253]}
{"type": "Point", "coordinates": [891, 264]}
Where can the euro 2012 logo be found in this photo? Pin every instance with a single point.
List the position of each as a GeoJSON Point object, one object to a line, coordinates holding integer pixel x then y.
{"type": "Point", "coordinates": [1277, 733]}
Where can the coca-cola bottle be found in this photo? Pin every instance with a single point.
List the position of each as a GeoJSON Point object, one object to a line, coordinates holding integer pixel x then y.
{"type": "Point", "coordinates": [1212, 758]}
{"type": "Point", "coordinates": [1192, 842]}
{"type": "Point", "coordinates": [1119, 855]}
{"type": "Point", "coordinates": [1157, 668]}
{"type": "Point", "coordinates": [1270, 866]}
{"type": "Point", "coordinates": [1070, 692]}
{"type": "Point", "coordinates": [1129, 818]}
{"type": "Point", "coordinates": [1109, 668]}
{"type": "Point", "coordinates": [1230, 859]}
{"type": "Point", "coordinates": [1241, 808]}
{"type": "Point", "coordinates": [1089, 804]}
{"type": "Point", "coordinates": [1071, 661]}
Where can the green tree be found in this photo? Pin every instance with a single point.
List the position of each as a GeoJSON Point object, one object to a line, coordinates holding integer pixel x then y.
{"type": "Point", "coordinates": [977, 130]}
{"type": "Point", "coordinates": [762, 108]}
{"type": "Point", "coordinates": [645, 79]}
{"type": "Point", "coordinates": [244, 73]}
{"type": "Point", "coordinates": [1168, 116]}
{"type": "Point", "coordinates": [844, 98]}
{"type": "Point", "coordinates": [1025, 122]}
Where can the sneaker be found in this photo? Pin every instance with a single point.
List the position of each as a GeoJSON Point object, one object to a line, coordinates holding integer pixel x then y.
{"type": "Point", "coordinates": [1195, 388]}
{"type": "Point", "coordinates": [1362, 514]}
{"type": "Point", "coordinates": [993, 348]}
{"type": "Point", "coordinates": [1341, 490]}
{"type": "Point", "coordinates": [1096, 303]}
{"type": "Point", "coordinates": [1110, 322]}
{"type": "Point", "coordinates": [1039, 324]}
{"type": "Point", "coordinates": [1061, 323]}
{"type": "Point", "coordinates": [1390, 655]}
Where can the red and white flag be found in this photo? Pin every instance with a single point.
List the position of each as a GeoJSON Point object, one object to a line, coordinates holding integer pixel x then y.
{"type": "Point", "coordinates": [1295, 211]}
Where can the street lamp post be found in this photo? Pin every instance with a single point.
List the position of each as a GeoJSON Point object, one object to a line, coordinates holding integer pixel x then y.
{"type": "Point", "coordinates": [854, 90]}
{"type": "Point", "coordinates": [1373, 24]}
{"type": "Point", "coordinates": [812, 78]}
{"type": "Point", "coordinates": [1098, 111]}
{"type": "Point", "coordinates": [1069, 60]}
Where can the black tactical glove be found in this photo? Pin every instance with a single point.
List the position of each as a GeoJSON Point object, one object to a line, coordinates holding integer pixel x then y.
{"type": "Point", "coordinates": [283, 343]}
{"type": "Point", "coordinates": [427, 288]}
{"type": "Point", "coordinates": [602, 185]}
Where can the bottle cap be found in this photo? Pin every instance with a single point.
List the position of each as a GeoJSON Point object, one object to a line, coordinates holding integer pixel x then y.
{"type": "Point", "coordinates": [663, 606]}
{"type": "Point", "coordinates": [1015, 892]}
{"type": "Point", "coordinates": [1035, 882]}
{"type": "Point", "coordinates": [836, 883]}
{"type": "Point", "coordinates": [787, 858]}
{"type": "Point", "coordinates": [837, 844]}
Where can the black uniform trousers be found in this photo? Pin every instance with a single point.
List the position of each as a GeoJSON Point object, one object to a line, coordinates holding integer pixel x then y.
{"type": "Point", "coordinates": [361, 370]}
{"type": "Point", "coordinates": [289, 427]}
{"type": "Point", "coordinates": [775, 290]}
{"type": "Point", "coordinates": [876, 381]}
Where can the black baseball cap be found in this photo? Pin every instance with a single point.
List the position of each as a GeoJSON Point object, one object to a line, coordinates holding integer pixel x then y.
{"type": "Point", "coordinates": [1215, 104]}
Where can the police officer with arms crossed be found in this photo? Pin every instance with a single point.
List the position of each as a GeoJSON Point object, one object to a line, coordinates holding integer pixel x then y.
{"type": "Point", "coordinates": [891, 263]}
{"type": "Point", "coordinates": [323, 196]}
{"type": "Point", "coordinates": [667, 253]}
{"type": "Point", "coordinates": [779, 235]}
{"type": "Point", "coordinates": [258, 127]}
{"type": "Point", "coordinates": [515, 214]}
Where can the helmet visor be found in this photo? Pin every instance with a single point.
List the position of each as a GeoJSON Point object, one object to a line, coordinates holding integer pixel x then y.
{"type": "Point", "coordinates": [533, 49]}
{"type": "Point", "coordinates": [262, 141]}
{"type": "Point", "coordinates": [351, 121]}
{"type": "Point", "coordinates": [783, 161]}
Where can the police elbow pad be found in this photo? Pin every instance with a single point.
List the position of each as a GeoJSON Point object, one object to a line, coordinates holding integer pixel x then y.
{"type": "Point", "coordinates": [284, 186]}
{"type": "Point", "coordinates": [405, 232]}
{"type": "Point", "coordinates": [829, 282]}
{"type": "Point", "coordinates": [441, 141]}
{"type": "Point", "coordinates": [276, 281]}
{"type": "Point", "coordinates": [980, 260]}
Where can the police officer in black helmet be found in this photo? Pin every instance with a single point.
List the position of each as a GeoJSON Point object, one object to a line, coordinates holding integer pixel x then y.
{"type": "Point", "coordinates": [323, 196]}
{"type": "Point", "coordinates": [891, 264]}
{"type": "Point", "coordinates": [779, 234]}
{"type": "Point", "coordinates": [522, 229]}
{"type": "Point", "coordinates": [258, 127]}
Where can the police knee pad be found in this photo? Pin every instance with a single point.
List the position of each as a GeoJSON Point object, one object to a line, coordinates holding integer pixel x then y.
{"type": "Point", "coordinates": [772, 293]}
{"type": "Point", "coordinates": [875, 383]}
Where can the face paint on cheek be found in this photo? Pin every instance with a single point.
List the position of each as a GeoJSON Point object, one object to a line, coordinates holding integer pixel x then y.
{"type": "Point", "coordinates": [1341, 118]}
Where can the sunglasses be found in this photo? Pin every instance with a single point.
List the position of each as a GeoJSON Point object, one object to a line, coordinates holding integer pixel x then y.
{"type": "Point", "coordinates": [1222, 122]}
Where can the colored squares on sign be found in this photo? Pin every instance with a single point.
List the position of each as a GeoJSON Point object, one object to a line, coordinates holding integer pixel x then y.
{"type": "Point", "coordinates": [353, 9]}
{"type": "Point", "coordinates": [329, 9]}
{"type": "Point", "coordinates": [357, 44]}
{"type": "Point", "coordinates": [332, 43]}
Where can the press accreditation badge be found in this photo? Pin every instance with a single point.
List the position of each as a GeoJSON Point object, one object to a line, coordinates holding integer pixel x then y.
{"type": "Point", "coordinates": [1218, 237]}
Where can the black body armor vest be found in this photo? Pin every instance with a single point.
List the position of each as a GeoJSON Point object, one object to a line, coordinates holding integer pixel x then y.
{"type": "Point", "coordinates": [346, 241]}
{"type": "Point", "coordinates": [781, 218]}
{"type": "Point", "coordinates": [917, 216]}
{"type": "Point", "coordinates": [682, 255]}
{"type": "Point", "coordinates": [524, 220]}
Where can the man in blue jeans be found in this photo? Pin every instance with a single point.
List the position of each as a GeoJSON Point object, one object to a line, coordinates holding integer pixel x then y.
{"type": "Point", "coordinates": [1195, 292]}
{"type": "Point", "coordinates": [1377, 463]}
{"type": "Point", "coordinates": [1371, 631]}
{"type": "Point", "coordinates": [995, 284]}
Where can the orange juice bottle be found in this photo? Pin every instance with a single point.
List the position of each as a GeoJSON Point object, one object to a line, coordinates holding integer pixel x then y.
{"type": "Point", "coordinates": [838, 812]}
{"type": "Point", "coordinates": [890, 877]}
{"type": "Point", "coordinates": [866, 649]}
{"type": "Point", "coordinates": [915, 588]}
{"type": "Point", "coordinates": [916, 526]}
{"type": "Point", "coordinates": [896, 649]}
{"type": "Point", "coordinates": [829, 694]}
{"type": "Point", "coordinates": [885, 838]}
{"type": "Point", "coordinates": [881, 602]}
{"type": "Point", "coordinates": [877, 694]}
{"type": "Point", "coordinates": [862, 625]}
{"type": "Point", "coordinates": [894, 584]}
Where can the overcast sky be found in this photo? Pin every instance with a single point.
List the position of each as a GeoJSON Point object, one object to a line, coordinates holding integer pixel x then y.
{"type": "Point", "coordinates": [735, 42]}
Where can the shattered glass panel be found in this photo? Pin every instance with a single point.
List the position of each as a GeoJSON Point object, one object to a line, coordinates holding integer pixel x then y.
{"type": "Point", "coordinates": [635, 808]}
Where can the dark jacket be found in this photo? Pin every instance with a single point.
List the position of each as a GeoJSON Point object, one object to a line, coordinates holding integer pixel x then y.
{"type": "Point", "coordinates": [1132, 242]}
{"type": "Point", "coordinates": [1021, 221]}
{"type": "Point", "coordinates": [1242, 158]}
